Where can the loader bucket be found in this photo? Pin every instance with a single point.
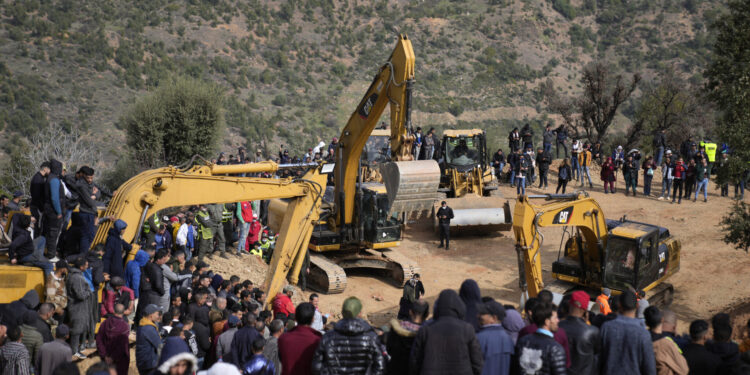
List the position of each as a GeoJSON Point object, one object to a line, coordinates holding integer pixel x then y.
{"type": "Point", "coordinates": [411, 185]}
{"type": "Point", "coordinates": [478, 214]}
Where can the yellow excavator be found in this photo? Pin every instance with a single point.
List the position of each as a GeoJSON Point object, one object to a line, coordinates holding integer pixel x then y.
{"type": "Point", "coordinates": [468, 182]}
{"type": "Point", "coordinates": [599, 253]}
{"type": "Point", "coordinates": [361, 218]}
{"type": "Point", "coordinates": [158, 189]}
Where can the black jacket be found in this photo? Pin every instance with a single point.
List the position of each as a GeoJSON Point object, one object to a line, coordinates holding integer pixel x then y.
{"type": "Point", "coordinates": [152, 284]}
{"type": "Point", "coordinates": [584, 343]}
{"type": "Point", "coordinates": [543, 160]}
{"type": "Point", "coordinates": [202, 332]}
{"type": "Point", "coordinates": [553, 359]}
{"type": "Point", "coordinates": [351, 348]}
{"type": "Point", "coordinates": [399, 343]}
{"type": "Point", "coordinates": [700, 360]}
{"type": "Point", "coordinates": [447, 345]}
{"type": "Point", "coordinates": [729, 353]}
{"type": "Point", "coordinates": [447, 211]}
{"type": "Point", "coordinates": [44, 329]}
{"type": "Point", "coordinates": [37, 190]}
{"type": "Point", "coordinates": [22, 244]}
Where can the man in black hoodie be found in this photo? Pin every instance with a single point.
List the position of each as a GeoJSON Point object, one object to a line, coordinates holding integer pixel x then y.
{"type": "Point", "coordinates": [37, 195]}
{"type": "Point", "coordinates": [447, 345]}
{"type": "Point", "coordinates": [351, 348]}
{"type": "Point", "coordinates": [54, 208]}
{"type": "Point", "coordinates": [722, 344]}
{"type": "Point", "coordinates": [152, 283]}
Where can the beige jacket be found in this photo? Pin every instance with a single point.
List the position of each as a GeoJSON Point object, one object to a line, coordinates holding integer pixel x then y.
{"type": "Point", "coordinates": [669, 359]}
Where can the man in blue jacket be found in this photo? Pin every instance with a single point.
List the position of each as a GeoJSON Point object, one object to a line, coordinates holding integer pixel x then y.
{"type": "Point", "coordinates": [147, 341]}
{"type": "Point", "coordinates": [626, 345]}
{"type": "Point", "coordinates": [133, 272]}
{"type": "Point", "coordinates": [496, 344]}
{"type": "Point", "coordinates": [54, 208]}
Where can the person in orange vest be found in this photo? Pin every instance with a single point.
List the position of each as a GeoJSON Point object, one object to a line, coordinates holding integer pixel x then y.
{"type": "Point", "coordinates": [603, 301]}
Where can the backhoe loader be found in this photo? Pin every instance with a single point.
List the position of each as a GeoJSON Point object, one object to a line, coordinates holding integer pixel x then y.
{"type": "Point", "coordinates": [468, 182]}
{"type": "Point", "coordinates": [362, 218]}
{"type": "Point", "coordinates": [599, 253]}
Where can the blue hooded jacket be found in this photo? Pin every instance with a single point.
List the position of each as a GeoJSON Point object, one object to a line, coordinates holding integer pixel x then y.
{"type": "Point", "coordinates": [112, 259]}
{"type": "Point", "coordinates": [133, 272]}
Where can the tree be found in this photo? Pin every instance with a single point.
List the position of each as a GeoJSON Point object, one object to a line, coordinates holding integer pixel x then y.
{"type": "Point", "coordinates": [729, 87]}
{"type": "Point", "coordinates": [728, 83]}
{"type": "Point", "coordinates": [70, 146]}
{"type": "Point", "coordinates": [181, 119]}
{"type": "Point", "coordinates": [592, 113]}
{"type": "Point", "coordinates": [736, 226]}
{"type": "Point", "coordinates": [670, 104]}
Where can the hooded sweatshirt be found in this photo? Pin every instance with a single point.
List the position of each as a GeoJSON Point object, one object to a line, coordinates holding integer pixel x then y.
{"type": "Point", "coordinates": [472, 298]}
{"type": "Point", "coordinates": [133, 272]}
{"type": "Point", "coordinates": [112, 341]}
{"type": "Point", "coordinates": [113, 262]}
{"type": "Point", "coordinates": [449, 344]}
{"type": "Point", "coordinates": [175, 350]}
{"type": "Point", "coordinates": [54, 190]}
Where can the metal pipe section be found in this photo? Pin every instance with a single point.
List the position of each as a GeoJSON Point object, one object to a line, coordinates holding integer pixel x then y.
{"type": "Point", "coordinates": [138, 232]}
{"type": "Point", "coordinates": [264, 166]}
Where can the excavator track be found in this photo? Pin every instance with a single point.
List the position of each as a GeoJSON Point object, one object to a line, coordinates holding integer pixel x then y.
{"type": "Point", "coordinates": [401, 267]}
{"type": "Point", "coordinates": [326, 276]}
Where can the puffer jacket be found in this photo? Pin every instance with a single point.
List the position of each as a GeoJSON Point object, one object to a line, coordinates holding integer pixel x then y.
{"type": "Point", "coordinates": [539, 354]}
{"type": "Point", "coordinates": [351, 348]}
{"type": "Point", "coordinates": [584, 343]}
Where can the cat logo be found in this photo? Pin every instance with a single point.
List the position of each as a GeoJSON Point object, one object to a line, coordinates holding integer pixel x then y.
{"type": "Point", "coordinates": [563, 217]}
{"type": "Point", "coordinates": [366, 108]}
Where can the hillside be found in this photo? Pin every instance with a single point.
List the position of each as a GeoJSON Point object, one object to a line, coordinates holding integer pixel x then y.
{"type": "Point", "coordinates": [298, 67]}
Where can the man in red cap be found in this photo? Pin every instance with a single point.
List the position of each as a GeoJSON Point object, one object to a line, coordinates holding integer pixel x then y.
{"type": "Point", "coordinates": [583, 339]}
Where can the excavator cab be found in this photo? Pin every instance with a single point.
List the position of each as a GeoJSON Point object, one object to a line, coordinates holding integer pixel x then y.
{"type": "Point", "coordinates": [380, 226]}
{"type": "Point", "coordinates": [464, 152]}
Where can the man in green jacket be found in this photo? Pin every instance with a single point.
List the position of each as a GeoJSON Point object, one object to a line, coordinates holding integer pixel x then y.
{"type": "Point", "coordinates": [216, 212]}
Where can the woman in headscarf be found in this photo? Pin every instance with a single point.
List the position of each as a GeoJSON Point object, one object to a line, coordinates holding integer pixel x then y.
{"type": "Point", "coordinates": [472, 298]}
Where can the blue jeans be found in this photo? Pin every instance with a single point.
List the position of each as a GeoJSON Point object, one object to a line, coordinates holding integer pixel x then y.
{"type": "Point", "coordinates": [547, 147]}
{"type": "Point", "coordinates": [520, 185]}
{"type": "Point", "coordinates": [647, 184]}
{"type": "Point", "coordinates": [574, 166]}
{"type": "Point", "coordinates": [666, 186]}
{"type": "Point", "coordinates": [703, 184]}
{"type": "Point", "coordinates": [88, 231]}
{"type": "Point", "coordinates": [584, 172]}
{"type": "Point", "coordinates": [659, 155]}
{"type": "Point", "coordinates": [244, 229]}
{"type": "Point", "coordinates": [512, 176]}
{"type": "Point", "coordinates": [499, 172]}
{"type": "Point", "coordinates": [37, 257]}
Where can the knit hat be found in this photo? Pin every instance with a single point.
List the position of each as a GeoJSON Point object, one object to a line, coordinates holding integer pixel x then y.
{"type": "Point", "coordinates": [351, 308]}
{"type": "Point", "coordinates": [233, 321]}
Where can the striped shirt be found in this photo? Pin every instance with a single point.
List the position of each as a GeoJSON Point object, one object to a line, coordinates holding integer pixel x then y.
{"type": "Point", "coordinates": [14, 359]}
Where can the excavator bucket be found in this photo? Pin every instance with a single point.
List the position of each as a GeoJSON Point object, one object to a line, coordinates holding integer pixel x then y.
{"type": "Point", "coordinates": [411, 185]}
{"type": "Point", "coordinates": [482, 214]}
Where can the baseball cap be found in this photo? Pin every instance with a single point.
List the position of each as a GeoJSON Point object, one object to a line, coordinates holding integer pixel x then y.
{"type": "Point", "coordinates": [17, 194]}
{"type": "Point", "coordinates": [255, 216]}
{"type": "Point", "coordinates": [150, 309]}
{"type": "Point", "coordinates": [492, 308]}
{"type": "Point", "coordinates": [174, 219]}
{"type": "Point", "coordinates": [579, 299]}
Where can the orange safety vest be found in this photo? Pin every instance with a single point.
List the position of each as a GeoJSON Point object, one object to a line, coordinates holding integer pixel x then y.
{"type": "Point", "coordinates": [603, 302]}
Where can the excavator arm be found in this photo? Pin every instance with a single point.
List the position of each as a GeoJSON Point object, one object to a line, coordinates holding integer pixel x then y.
{"type": "Point", "coordinates": [392, 85]}
{"type": "Point", "coordinates": [162, 188]}
{"type": "Point", "coordinates": [578, 210]}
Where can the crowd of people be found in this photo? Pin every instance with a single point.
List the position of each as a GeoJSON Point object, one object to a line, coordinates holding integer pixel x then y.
{"type": "Point", "coordinates": [685, 172]}
{"type": "Point", "coordinates": [186, 318]}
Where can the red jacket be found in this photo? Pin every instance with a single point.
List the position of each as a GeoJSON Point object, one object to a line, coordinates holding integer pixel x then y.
{"type": "Point", "coordinates": [296, 350]}
{"type": "Point", "coordinates": [253, 235]}
{"type": "Point", "coordinates": [247, 211]}
{"type": "Point", "coordinates": [110, 297]}
{"type": "Point", "coordinates": [679, 171]}
{"type": "Point", "coordinates": [282, 304]}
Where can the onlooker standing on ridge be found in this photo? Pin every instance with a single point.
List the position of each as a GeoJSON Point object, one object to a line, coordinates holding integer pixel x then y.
{"type": "Point", "coordinates": [660, 144]}
{"type": "Point", "coordinates": [539, 352]}
{"type": "Point", "coordinates": [564, 174]}
{"type": "Point", "coordinates": [87, 208]}
{"type": "Point", "coordinates": [584, 161]}
{"type": "Point", "coordinates": [679, 177]}
{"type": "Point", "coordinates": [448, 345]}
{"type": "Point", "coordinates": [444, 215]}
{"type": "Point", "coordinates": [701, 177]}
{"type": "Point", "coordinates": [689, 178]}
{"type": "Point", "coordinates": [547, 138]}
{"type": "Point", "coordinates": [648, 175]}
{"type": "Point", "coordinates": [626, 346]}
{"type": "Point", "coordinates": [583, 339]}
{"type": "Point", "coordinates": [699, 359]}
{"type": "Point", "coordinates": [514, 140]}
{"type": "Point", "coordinates": [629, 172]}
{"type": "Point", "coordinates": [667, 175]}
{"type": "Point", "coordinates": [607, 175]}
{"type": "Point", "coordinates": [543, 160]}
{"type": "Point", "coordinates": [352, 347]}
{"type": "Point", "coordinates": [496, 344]}
{"type": "Point", "coordinates": [527, 136]}
{"type": "Point", "coordinates": [562, 139]}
